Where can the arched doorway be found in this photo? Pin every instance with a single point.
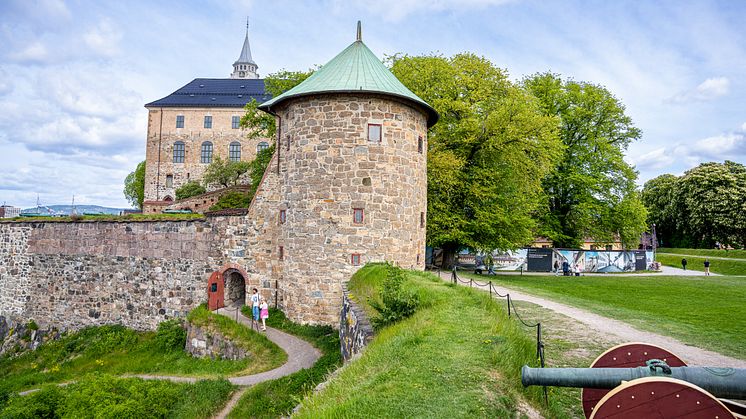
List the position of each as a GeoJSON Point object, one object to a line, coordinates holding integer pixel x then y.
{"type": "Point", "coordinates": [235, 288]}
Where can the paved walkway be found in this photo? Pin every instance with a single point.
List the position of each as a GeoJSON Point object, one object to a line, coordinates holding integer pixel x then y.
{"type": "Point", "coordinates": [670, 270]}
{"type": "Point", "coordinates": [690, 354]}
{"type": "Point", "coordinates": [703, 257]}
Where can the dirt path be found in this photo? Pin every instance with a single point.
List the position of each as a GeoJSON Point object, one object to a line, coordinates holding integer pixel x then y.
{"type": "Point", "coordinates": [703, 257]}
{"type": "Point", "coordinates": [622, 331]}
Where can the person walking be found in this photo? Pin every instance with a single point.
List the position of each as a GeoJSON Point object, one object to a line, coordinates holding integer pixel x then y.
{"type": "Point", "coordinates": [264, 313]}
{"type": "Point", "coordinates": [683, 263]}
{"type": "Point", "coordinates": [255, 299]}
{"type": "Point", "coordinates": [707, 267]}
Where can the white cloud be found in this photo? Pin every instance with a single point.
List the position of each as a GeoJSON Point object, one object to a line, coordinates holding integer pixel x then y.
{"type": "Point", "coordinates": [104, 38]}
{"type": "Point", "coordinates": [35, 52]}
{"type": "Point", "coordinates": [709, 89]}
{"type": "Point", "coordinates": [657, 159]}
{"type": "Point", "coordinates": [396, 10]}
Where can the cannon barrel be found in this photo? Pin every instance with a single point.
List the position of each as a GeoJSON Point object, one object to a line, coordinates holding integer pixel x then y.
{"type": "Point", "coordinates": [720, 382]}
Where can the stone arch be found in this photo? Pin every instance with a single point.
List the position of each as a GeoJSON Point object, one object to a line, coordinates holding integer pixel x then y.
{"type": "Point", "coordinates": [235, 279]}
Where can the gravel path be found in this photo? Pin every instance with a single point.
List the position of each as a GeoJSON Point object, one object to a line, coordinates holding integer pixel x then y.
{"type": "Point", "coordinates": [690, 354]}
{"type": "Point", "coordinates": [703, 257]}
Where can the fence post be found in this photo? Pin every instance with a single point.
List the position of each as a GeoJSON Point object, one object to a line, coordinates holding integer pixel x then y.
{"type": "Point", "coordinates": [490, 290]}
{"type": "Point", "coordinates": [538, 344]}
{"type": "Point", "coordinates": [453, 274]}
{"type": "Point", "coordinates": [508, 305]}
{"type": "Point", "coordinates": [276, 291]}
{"type": "Point", "coordinates": [471, 281]}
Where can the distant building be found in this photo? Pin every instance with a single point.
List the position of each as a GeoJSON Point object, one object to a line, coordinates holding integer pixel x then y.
{"type": "Point", "coordinates": [199, 121]}
{"type": "Point", "coordinates": [8, 211]}
{"type": "Point", "coordinates": [588, 244]}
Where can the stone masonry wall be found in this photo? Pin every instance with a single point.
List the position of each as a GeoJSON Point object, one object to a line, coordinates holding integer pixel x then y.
{"type": "Point", "coordinates": [206, 343]}
{"type": "Point", "coordinates": [355, 330]}
{"type": "Point", "coordinates": [329, 168]}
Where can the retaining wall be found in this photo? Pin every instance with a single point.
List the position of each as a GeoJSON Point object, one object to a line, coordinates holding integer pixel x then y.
{"type": "Point", "coordinates": [355, 330]}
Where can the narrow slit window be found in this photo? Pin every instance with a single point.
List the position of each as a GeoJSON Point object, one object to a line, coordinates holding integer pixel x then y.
{"type": "Point", "coordinates": [358, 216]}
{"type": "Point", "coordinates": [355, 259]}
{"type": "Point", "coordinates": [374, 133]}
{"type": "Point", "coordinates": [283, 216]}
{"type": "Point", "coordinates": [287, 147]}
{"type": "Point", "coordinates": [420, 145]}
{"type": "Point", "coordinates": [281, 253]}
{"type": "Point", "coordinates": [422, 219]}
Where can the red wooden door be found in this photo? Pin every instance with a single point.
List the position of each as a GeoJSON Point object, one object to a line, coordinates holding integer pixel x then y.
{"type": "Point", "coordinates": [215, 292]}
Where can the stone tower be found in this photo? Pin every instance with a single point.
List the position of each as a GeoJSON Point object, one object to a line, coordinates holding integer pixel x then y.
{"type": "Point", "coordinates": [352, 166]}
{"type": "Point", "coordinates": [245, 67]}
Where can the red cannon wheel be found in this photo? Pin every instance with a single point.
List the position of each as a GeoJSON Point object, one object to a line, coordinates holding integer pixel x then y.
{"type": "Point", "coordinates": [626, 355]}
{"type": "Point", "coordinates": [659, 397]}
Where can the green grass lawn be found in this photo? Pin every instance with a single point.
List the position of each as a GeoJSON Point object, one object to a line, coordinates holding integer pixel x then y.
{"type": "Point", "coordinates": [277, 398]}
{"type": "Point", "coordinates": [719, 266]}
{"type": "Point", "coordinates": [737, 253]}
{"type": "Point", "coordinates": [105, 396]}
{"type": "Point", "coordinates": [705, 312]}
{"type": "Point", "coordinates": [118, 350]}
{"type": "Point", "coordinates": [459, 355]}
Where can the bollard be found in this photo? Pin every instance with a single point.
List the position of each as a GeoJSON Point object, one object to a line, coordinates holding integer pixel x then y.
{"type": "Point", "coordinates": [508, 305]}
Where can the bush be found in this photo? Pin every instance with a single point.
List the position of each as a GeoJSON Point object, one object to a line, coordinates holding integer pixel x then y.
{"type": "Point", "coordinates": [171, 335]}
{"type": "Point", "coordinates": [189, 190]}
{"type": "Point", "coordinates": [41, 404]}
{"type": "Point", "coordinates": [395, 303]}
{"type": "Point", "coordinates": [232, 200]}
{"type": "Point", "coordinates": [31, 325]}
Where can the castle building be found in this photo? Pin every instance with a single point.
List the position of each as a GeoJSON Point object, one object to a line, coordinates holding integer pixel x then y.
{"type": "Point", "coordinates": [187, 128]}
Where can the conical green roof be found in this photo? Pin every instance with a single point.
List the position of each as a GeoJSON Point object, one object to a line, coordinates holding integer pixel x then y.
{"type": "Point", "coordinates": [354, 70]}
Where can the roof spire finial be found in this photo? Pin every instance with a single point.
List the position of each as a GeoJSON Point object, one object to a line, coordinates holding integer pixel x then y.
{"type": "Point", "coordinates": [359, 31]}
{"type": "Point", "coordinates": [247, 26]}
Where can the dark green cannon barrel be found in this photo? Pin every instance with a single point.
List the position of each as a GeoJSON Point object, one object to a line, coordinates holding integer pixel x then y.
{"type": "Point", "coordinates": [720, 382]}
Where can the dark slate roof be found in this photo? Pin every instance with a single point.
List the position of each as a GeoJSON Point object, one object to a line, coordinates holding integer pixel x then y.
{"type": "Point", "coordinates": [215, 93]}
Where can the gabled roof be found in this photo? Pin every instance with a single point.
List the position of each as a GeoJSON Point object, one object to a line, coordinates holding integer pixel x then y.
{"type": "Point", "coordinates": [356, 69]}
{"type": "Point", "coordinates": [215, 93]}
{"type": "Point", "coordinates": [245, 56]}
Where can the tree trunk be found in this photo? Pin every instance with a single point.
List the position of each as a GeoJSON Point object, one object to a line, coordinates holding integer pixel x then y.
{"type": "Point", "coordinates": [449, 255]}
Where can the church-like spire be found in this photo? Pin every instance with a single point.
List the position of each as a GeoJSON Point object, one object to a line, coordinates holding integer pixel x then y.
{"type": "Point", "coordinates": [245, 67]}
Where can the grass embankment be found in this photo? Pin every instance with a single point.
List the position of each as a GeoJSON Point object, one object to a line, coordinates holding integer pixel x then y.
{"type": "Point", "coordinates": [277, 398]}
{"type": "Point", "coordinates": [459, 355]}
{"type": "Point", "coordinates": [266, 355]}
{"type": "Point", "coordinates": [735, 253]}
{"type": "Point", "coordinates": [118, 350]}
{"type": "Point", "coordinates": [108, 217]}
{"type": "Point", "coordinates": [705, 312]}
{"type": "Point", "coordinates": [104, 396]}
{"type": "Point", "coordinates": [696, 263]}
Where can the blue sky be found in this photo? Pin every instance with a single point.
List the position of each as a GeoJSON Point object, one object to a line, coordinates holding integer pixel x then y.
{"type": "Point", "coordinates": [74, 75]}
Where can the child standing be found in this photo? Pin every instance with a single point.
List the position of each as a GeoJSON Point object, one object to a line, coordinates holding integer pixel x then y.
{"type": "Point", "coordinates": [264, 313]}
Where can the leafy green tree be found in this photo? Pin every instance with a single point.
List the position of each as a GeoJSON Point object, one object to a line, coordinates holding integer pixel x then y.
{"type": "Point", "coordinates": [592, 186]}
{"type": "Point", "coordinates": [232, 200]}
{"type": "Point", "coordinates": [224, 172]}
{"type": "Point", "coordinates": [257, 167]}
{"type": "Point", "coordinates": [190, 189]}
{"type": "Point", "coordinates": [659, 195]}
{"type": "Point", "coordinates": [134, 186]}
{"type": "Point", "coordinates": [486, 155]}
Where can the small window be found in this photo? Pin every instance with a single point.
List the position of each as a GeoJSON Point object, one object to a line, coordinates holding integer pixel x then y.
{"type": "Point", "coordinates": [358, 216]}
{"type": "Point", "coordinates": [234, 152]}
{"type": "Point", "coordinates": [374, 133]}
{"type": "Point", "coordinates": [208, 121]}
{"type": "Point", "coordinates": [214, 287]}
{"type": "Point", "coordinates": [287, 146]}
{"type": "Point", "coordinates": [418, 258]}
{"type": "Point", "coordinates": [179, 121]}
{"type": "Point", "coordinates": [169, 181]}
{"type": "Point", "coordinates": [179, 152]}
{"type": "Point", "coordinates": [422, 219]}
{"type": "Point", "coordinates": [281, 253]}
{"type": "Point", "coordinates": [355, 259]}
{"type": "Point", "coordinates": [235, 122]}
{"type": "Point", "coordinates": [262, 146]}
{"type": "Point", "coordinates": [206, 155]}
{"type": "Point", "coordinates": [609, 247]}
{"type": "Point", "coordinates": [594, 247]}
{"type": "Point", "coordinates": [283, 216]}
{"type": "Point", "coordinates": [419, 144]}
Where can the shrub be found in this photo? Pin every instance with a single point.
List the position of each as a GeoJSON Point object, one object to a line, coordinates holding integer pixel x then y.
{"type": "Point", "coordinates": [171, 335]}
{"type": "Point", "coordinates": [395, 303]}
{"type": "Point", "coordinates": [232, 200]}
{"type": "Point", "coordinates": [189, 190]}
{"type": "Point", "coordinates": [41, 404]}
{"type": "Point", "coordinates": [31, 325]}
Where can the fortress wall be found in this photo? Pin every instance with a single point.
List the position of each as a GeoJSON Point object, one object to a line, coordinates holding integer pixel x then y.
{"type": "Point", "coordinates": [329, 167]}
{"type": "Point", "coordinates": [89, 273]}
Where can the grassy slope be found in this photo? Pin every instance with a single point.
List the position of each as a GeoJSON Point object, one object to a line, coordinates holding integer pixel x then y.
{"type": "Point", "coordinates": [106, 396]}
{"type": "Point", "coordinates": [704, 312]}
{"type": "Point", "coordinates": [117, 350]}
{"type": "Point", "coordinates": [276, 398]}
{"type": "Point", "coordinates": [719, 266]}
{"type": "Point", "coordinates": [738, 254]}
{"type": "Point", "coordinates": [458, 356]}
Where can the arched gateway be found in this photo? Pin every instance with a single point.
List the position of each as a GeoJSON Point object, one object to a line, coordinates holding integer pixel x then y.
{"type": "Point", "coordinates": [226, 287]}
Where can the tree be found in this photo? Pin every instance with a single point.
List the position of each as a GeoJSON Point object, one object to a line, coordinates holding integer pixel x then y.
{"type": "Point", "coordinates": [257, 167]}
{"type": "Point", "coordinates": [592, 186]}
{"type": "Point", "coordinates": [224, 172]}
{"type": "Point", "coordinates": [190, 189]}
{"type": "Point", "coordinates": [261, 124]}
{"type": "Point", "coordinates": [659, 197]}
{"type": "Point", "coordinates": [486, 155]}
{"type": "Point", "coordinates": [134, 186]}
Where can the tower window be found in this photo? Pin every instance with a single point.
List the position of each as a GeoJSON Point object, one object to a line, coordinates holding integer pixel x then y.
{"type": "Point", "coordinates": [374, 133]}
{"type": "Point", "coordinates": [281, 253]}
{"type": "Point", "coordinates": [208, 121]}
{"type": "Point", "coordinates": [179, 121]}
{"type": "Point", "coordinates": [206, 155]}
{"type": "Point", "coordinates": [169, 181]}
{"type": "Point", "coordinates": [287, 147]}
{"type": "Point", "coordinates": [358, 216]}
{"type": "Point", "coordinates": [355, 259]}
{"type": "Point", "coordinates": [235, 121]}
{"type": "Point", "coordinates": [262, 146]}
{"type": "Point", "coordinates": [422, 219]}
{"type": "Point", "coordinates": [283, 216]}
{"type": "Point", "coordinates": [419, 144]}
{"type": "Point", "coordinates": [179, 152]}
{"type": "Point", "coordinates": [234, 151]}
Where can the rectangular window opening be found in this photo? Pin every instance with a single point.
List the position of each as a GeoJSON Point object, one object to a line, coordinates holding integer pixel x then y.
{"type": "Point", "coordinates": [420, 145]}
{"type": "Point", "coordinates": [179, 121]}
{"type": "Point", "coordinates": [235, 122]}
{"type": "Point", "coordinates": [422, 219]}
{"type": "Point", "coordinates": [281, 253]}
{"type": "Point", "coordinates": [355, 259]}
{"type": "Point", "coordinates": [169, 181]}
{"type": "Point", "coordinates": [208, 121]}
{"type": "Point", "coordinates": [374, 133]}
{"type": "Point", "coordinates": [179, 152]}
{"type": "Point", "coordinates": [283, 216]}
{"type": "Point", "coordinates": [358, 215]}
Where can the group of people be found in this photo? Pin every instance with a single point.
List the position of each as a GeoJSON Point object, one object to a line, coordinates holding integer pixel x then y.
{"type": "Point", "coordinates": [707, 265]}
{"type": "Point", "coordinates": [259, 308]}
{"type": "Point", "coordinates": [566, 269]}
